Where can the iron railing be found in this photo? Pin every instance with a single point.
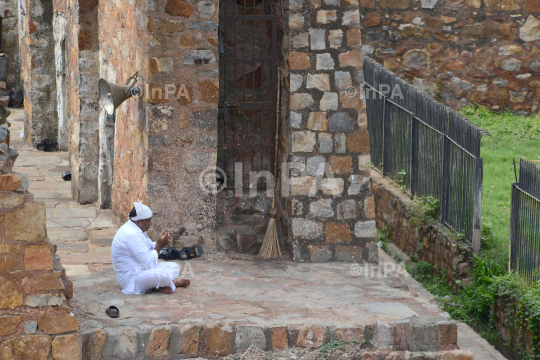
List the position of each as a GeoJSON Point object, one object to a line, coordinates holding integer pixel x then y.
{"type": "Point", "coordinates": [431, 149]}
{"type": "Point", "coordinates": [525, 222]}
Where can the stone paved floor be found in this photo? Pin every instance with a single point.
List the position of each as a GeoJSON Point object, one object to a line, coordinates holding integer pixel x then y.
{"type": "Point", "coordinates": [224, 288]}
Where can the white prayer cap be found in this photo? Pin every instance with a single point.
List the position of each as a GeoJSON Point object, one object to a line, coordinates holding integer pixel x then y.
{"type": "Point", "coordinates": [143, 211]}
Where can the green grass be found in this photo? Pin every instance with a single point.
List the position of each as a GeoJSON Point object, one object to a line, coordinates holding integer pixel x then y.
{"type": "Point", "coordinates": [512, 137]}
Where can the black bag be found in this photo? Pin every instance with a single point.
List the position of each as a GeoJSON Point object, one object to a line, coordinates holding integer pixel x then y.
{"type": "Point", "coordinates": [186, 253]}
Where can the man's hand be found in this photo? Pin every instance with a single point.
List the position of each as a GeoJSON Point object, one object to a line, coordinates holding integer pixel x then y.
{"type": "Point", "coordinates": [163, 241]}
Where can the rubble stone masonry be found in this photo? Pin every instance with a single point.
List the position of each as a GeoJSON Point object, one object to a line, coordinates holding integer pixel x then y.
{"type": "Point", "coordinates": [460, 51]}
{"type": "Point", "coordinates": [35, 317]}
{"type": "Point", "coordinates": [330, 208]}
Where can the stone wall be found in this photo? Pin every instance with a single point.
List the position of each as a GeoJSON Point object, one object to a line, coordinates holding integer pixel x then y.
{"type": "Point", "coordinates": [330, 208]}
{"type": "Point", "coordinates": [35, 316]}
{"type": "Point", "coordinates": [38, 69]}
{"type": "Point", "coordinates": [430, 243]}
{"type": "Point", "coordinates": [10, 42]}
{"type": "Point", "coordinates": [460, 51]}
{"type": "Point", "coordinates": [504, 316]}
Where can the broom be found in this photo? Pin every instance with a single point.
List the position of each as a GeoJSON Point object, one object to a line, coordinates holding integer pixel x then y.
{"type": "Point", "coordinates": [270, 246]}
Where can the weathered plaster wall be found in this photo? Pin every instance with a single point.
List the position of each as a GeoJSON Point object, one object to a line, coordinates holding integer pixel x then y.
{"type": "Point", "coordinates": [38, 71]}
{"type": "Point", "coordinates": [10, 42]}
{"type": "Point", "coordinates": [330, 210]}
{"type": "Point", "coordinates": [183, 128]}
{"type": "Point", "coordinates": [460, 51]}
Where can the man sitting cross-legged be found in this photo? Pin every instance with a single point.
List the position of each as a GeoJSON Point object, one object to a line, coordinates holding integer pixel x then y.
{"type": "Point", "coordinates": [135, 257]}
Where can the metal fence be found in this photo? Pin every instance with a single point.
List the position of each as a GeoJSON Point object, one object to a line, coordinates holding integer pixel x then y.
{"type": "Point", "coordinates": [433, 150]}
{"type": "Point", "coordinates": [525, 222]}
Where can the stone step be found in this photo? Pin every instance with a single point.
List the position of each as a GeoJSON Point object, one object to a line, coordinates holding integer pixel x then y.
{"type": "Point", "coordinates": [242, 239]}
{"type": "Point", "coordinates": [374, 340]}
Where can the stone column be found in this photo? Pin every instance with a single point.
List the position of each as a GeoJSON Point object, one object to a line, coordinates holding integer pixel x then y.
{"type": "Point", "coordinates": [331, 206]}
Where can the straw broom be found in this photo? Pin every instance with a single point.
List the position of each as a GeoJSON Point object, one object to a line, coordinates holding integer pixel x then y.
{"type": "Point", "coordinates": [270, 246]}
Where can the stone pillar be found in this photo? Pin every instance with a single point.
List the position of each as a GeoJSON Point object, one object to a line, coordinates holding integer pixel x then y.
{"type": "Point", "coordinates": [38, 69]}
{"type": "Point", "coordinates": [10, 42]}
{"type": "Point", "coordinates": [182, 122]}
{"type": "Point", "coordinates": [330, 207]}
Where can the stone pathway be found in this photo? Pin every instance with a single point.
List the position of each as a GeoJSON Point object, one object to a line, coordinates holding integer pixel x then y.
{"type": "Point", "coordinates": [82, 233]}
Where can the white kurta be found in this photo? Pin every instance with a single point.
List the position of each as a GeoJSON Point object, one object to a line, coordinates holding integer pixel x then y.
{"type": "Point", "coordinates": [135, 261]}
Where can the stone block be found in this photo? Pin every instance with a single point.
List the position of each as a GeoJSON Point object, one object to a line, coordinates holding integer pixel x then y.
{"type": "Point", "coordinates": [317, 121]}
{"type": "Point", "coordinates": [10, 199]}
{"type": "Point", "coordinates": [352, 100]}
{"type": "Point", "coordinates": [296, 21]}
{"type": "Point", "coordinates": [295, 119]}
{"type": "Point", "coordinates": [38, 257]}
{"type": "Point", "coordinates": [126, 347]}
{"type": "Point", "coordinates": [326, 16]}
{"type": "Point", "coordinates": [35, 347]}
{"type": "Point", "coordinates": [335, 38]}
{"type": "Point", "coordinates": [458, 355]}
{"type": "Point", "coordinates": [347, 210]}
{"type": "Point", "coordinates": [341, 122]}
{"type": "Point", "coordinates": [351, 18]}
{"type": "Point", "coordinates": [299, 60]}
{"type": "Point", "coordinates": [158, 344]}
{"type": "Point", "coordinates": [30, 327]}
{"type": "Point", "coordinates": [300, 101]}
{"type": "Point", "coordinates": [10, 182]}
{"type": "Point", "coordinates": [317, 39]}
{"type": "Point", "coordinates": [246, 240]}
{"type": "Point", "coordinates": [321, 208]}
{"type": "Point", "coordinates": [329, 101]}
{"type": "Point", "coordinates": [58, 322]}
{"type": "Point", "coordinates": [10, 294]}
{"type": "Point", "coordinates": [26, 223]}
{"type": "Point", "coordinates": [448, 335]}
{"type": "Point", "coordinates": [318, 81]}
{"type": "Point", "coordinates": [319, 254]}
{"type": "Point", "coordinates": [511, 64]}
{"type": "Point", "coordinates": [164, 26]}
{"type": "Point", "coordinates": [343, 79]}
{"type": "Point", "coordinates": [384, 337]}
{"type": "Point", "coordinates": [188, 343]}
{"type": "Point", "coordinates": [178, 8]}
{"type": "Point", "coordinates": [218, 339]}
{"type": "Point", "coordinates": [340, 165]}
{"type": "Point", "coordinates": [306, 186]}
{"type": "Point", "coordinates": [8, 263]}
{"type": "Point", "coordinates": [403, 335]}
{"type": "Point", "coordinates": [340, 144]}
{"type": "Point", "coordinates": [279, 338]}
{"type": "Point", "coordinates": [332, 186]}
{"type": "Point", "coordinates": [303, 229]}
{"type": "Point", "coordinates": [325, 143]}
{"type": "Point", "coordinates": [47, 282]}
{"type": "Point", "coordinates": [92, 344]}
{"type": "Point", "coordinates": [369, 207]}
{"type": "Point", "coordinates": [66, 347]}
{"type": "Point", "coordinates": [247, 336]}
{"type": "Point", "coordinates": [315, 165]}
{"type": "Point", "coordinates": [203, 119]}
{"type": "Point", "coordinates": [372, 19]}
{"type": "Point", "coordinates": [13, 248]}
{"type": "Point", "coordinates": [417, 59]}
{"type": "Point", "coordinates": [206, 10]}
{"type": "Point", "coordinates": [8, 324]}
{"type": "Point", "coordinates": [311, 336]}
{"type": "Point", "coordinates": [351, 58]}
{"type": "Point", "coordinates": [354, 37]}
{"type": "Point", "coordinates": [372, 250]}
{"type": "Point", "coordinates": [303, 141]}
{"type": "Point", "coordinates": [358, 184]}
{"type": "Point", "coordinates": [324, 62]}
{"type": "Point", "coordinates": [36, 300]}
{"type": "Point", "coordinates": [350, 253]}
{"type": "Point", "coordinates": [358, 141]}
{"type": "Point", "coordinates": [295, 82]}
{"type": "Point", "coordinates": [337, 233]}
{"type": "Point", "coordinates": [365, 229]}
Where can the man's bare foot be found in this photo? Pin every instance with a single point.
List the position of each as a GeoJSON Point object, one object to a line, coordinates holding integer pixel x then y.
{"type": "Point", "coordinates": [163, 290]}
{"type": "Point", "coordinates": [181, 282]}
